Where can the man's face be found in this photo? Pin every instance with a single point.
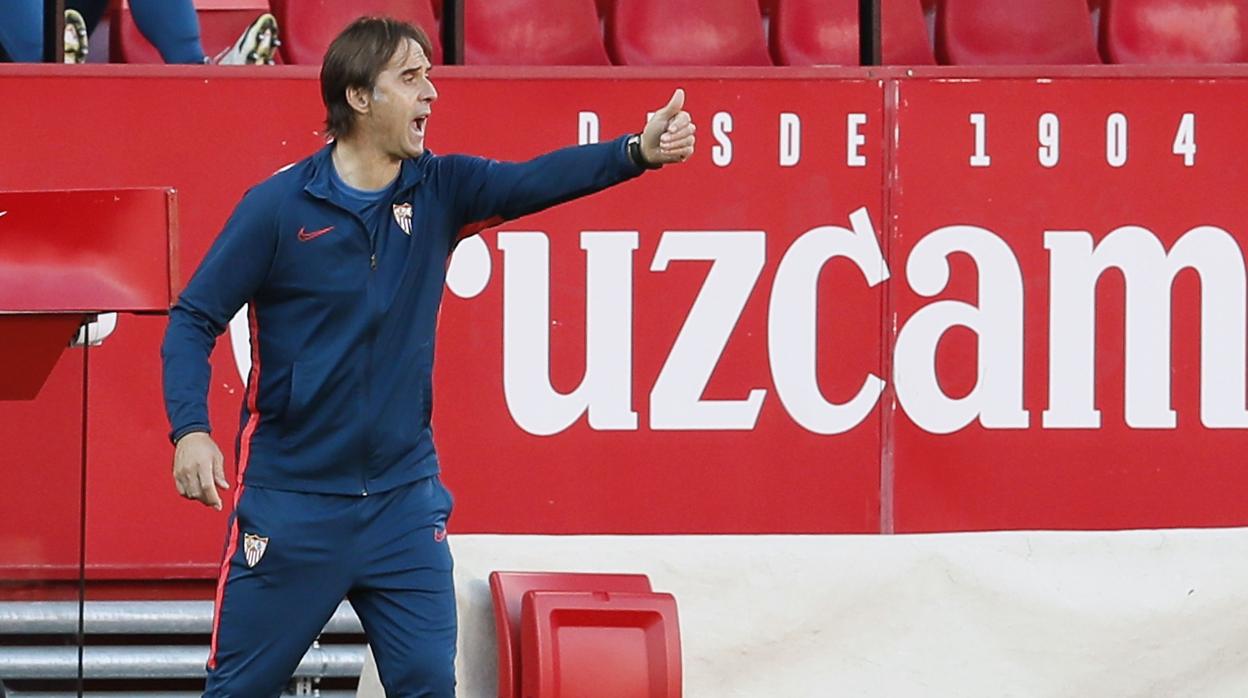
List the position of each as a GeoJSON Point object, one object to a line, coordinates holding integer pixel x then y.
{"type": "Point", "coordinates": [401, 103]}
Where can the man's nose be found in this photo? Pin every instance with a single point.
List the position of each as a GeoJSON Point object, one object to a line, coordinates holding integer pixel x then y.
{"type": "Point", "coordinates": [431, 94]}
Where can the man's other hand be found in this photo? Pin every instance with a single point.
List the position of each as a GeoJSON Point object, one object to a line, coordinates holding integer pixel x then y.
{"type": "Point", "coordinates": [668, 137]}
{"type": "Point", "coordinates": [199, 469]}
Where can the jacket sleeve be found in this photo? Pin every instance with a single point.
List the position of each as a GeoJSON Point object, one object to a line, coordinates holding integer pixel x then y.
{"type": "Point", "coordinates": [488, 192]}
{"type": "Point", "coordinates": [229, 276]}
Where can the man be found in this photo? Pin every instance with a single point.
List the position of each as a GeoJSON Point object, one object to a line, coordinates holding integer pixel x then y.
{"type": "Point", "coordinates": [341, 259]}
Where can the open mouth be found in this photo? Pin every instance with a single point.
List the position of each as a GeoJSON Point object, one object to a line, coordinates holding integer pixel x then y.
{"type": "Point", "coordinates": [419, 124]}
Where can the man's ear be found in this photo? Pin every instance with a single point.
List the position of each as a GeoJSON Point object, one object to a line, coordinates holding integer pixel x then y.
{"type": "Point", "coordinates": [360, 99]}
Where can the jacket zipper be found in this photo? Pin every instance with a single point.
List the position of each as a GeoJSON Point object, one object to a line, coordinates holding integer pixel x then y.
{"type": "Point", "coordinates": [369, 294]}
{"type": "Point", "coordinates": [368, 349]}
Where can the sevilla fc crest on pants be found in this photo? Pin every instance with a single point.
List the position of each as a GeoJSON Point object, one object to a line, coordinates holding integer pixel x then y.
{"type": "Point", "coordinates": [403, 216]}
{"type": "Point", "coordinates": [254, 547]}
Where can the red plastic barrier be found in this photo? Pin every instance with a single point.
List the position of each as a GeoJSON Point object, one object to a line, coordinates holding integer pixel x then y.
{"type": "Point", "coordinates": [507, 591]}
{"type": "Point", "coordinates": [613, 645]}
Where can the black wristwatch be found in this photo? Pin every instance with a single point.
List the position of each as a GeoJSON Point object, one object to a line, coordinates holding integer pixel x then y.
{"type": "Point", "coordinates": [634, 152]}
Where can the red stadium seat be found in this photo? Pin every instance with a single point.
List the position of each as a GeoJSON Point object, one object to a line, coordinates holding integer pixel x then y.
{"type": "Point", "coordinates": [815, 32]}
{"type": "Point", "coordinates": [307, 26]}
{"type": "Point", "coordinates": [1166, 31]}
{"type": "Point", "coordinates": [825, 32]}
{"type": "Point", "coordinates": [221, 22]}
{"type": "Point", "coordinates": [604, 7]}
{"type": "Point", "coordinates": [1018, 32]}
{"type": "Point", "coordinates": [600, 644]}
{"type": "Point", "coordinates": [532, 32]}
{"type": "Point", "coordinates": [663, 32]}
{"type": "Point", "coordinates": [508, 590]}
{"type": "Point", "coordinates": [906, 41]}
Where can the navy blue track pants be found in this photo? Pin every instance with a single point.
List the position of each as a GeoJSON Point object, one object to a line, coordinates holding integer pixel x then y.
{"type": "Point", "coordinates": [291, 557]}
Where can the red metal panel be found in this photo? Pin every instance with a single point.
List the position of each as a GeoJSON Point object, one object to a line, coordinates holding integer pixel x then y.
{"type": "Point", "coordinates": [216, 138]}
{"type": "Point", "coordinates": [91, 250]}
{"type": "Point", "coordinates": [30, 346]}
{"type": "Point", "coordinates": [138, 526]}
{"type": "Point", "coordinates": [40, 510]}
{"type": "Point", "coordinates": [1039, 476]}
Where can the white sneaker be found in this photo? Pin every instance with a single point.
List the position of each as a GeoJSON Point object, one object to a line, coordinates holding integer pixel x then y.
{"type": "Point", "coordinates": [257, 46]}
{"type": "Point", "coordinates": [75, 37]}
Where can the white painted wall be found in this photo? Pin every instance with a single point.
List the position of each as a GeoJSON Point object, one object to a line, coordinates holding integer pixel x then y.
{"type": "Point", "coordinates": [991, 615]}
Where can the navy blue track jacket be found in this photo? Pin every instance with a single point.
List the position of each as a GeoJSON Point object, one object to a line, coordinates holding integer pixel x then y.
{"type": "Point", "coordinates": [339, 396]}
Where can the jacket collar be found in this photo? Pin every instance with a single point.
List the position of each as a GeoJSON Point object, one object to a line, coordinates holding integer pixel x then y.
{"type": "Point", "coordinates": [411, 172]}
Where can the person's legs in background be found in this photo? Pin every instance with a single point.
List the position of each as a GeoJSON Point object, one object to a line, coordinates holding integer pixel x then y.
{"type": "Point", "coordinates": [75, 43]}
{"type": "Point", "coordinates": [21, 30]}
{"type": "Point", "coordinates": [173, 28]}
{"type": "Point", "coordinates": [257, 45]}
{"type": "Point", "coordinates": [81, 18]}
{"type": "Point", "coordinates": [171, 25]}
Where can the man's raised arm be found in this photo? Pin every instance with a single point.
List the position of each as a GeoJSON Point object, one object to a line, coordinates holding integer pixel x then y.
{"type": "Point", "coordinates": [490, 192]}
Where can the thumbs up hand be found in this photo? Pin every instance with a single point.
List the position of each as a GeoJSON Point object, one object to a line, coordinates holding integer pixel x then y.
{"type": "Point", "coordinates": [668, 136]}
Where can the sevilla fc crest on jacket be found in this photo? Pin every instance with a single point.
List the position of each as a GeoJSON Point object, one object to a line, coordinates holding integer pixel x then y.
{"type": "Point", "coordinates": [403, 216]}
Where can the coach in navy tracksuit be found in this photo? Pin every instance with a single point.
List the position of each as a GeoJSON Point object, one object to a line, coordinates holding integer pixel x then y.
{"type": "Point", "coordinates": [341, 259]}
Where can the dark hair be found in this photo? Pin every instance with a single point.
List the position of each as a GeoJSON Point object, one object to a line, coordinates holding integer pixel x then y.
{"type": "Point", "coordinates": [355, 58]}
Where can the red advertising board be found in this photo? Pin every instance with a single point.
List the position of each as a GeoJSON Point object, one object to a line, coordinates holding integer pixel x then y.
{"type": "Point", "coordinates": [688, 432]}
{"type": "Point", "coordinates": [1088, 226]}
{"type": "Point", "coordinates": [779, 159]}
{"type": "Point", "coordinates": [838, 318]}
